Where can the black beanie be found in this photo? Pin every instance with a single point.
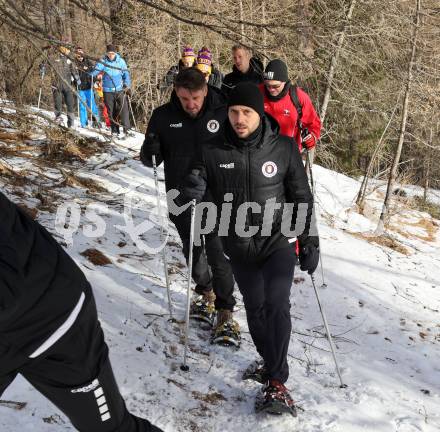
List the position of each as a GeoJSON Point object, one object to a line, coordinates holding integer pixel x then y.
{"type": "Point", "coordinates": [276, 70]}
{"type": "Point", "coordinates": [111, 48]}
{"type": "Point", "coordinates": [249, 95]}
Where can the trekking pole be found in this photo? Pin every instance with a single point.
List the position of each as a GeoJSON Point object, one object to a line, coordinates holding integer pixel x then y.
{"type": "Point", "coordinates": [131, 110]}
{"type": "Point", "coordinates": [164, 252]}
{"type": "Point", "coordinates": [92, 98]}
{"type": "Point", "coordinates": [78, 100]}
{"type": "Point", "coordinates": [308, 163]}
{"type": "Point", "coordinates": [43, 72]}
{"type": "Point", "coordinates": [329, 336]}
{"type": "Point", "coordinates": [184, 366]}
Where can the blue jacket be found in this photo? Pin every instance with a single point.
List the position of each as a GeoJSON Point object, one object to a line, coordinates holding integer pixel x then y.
{"type": "Point", "coordinates": [116, 75]}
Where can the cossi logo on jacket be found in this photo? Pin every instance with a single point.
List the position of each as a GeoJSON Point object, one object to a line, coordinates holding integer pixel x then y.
{"type": "Point", "coordinates": [176, 125]}
{"type": "Point", "coordinates": [269, 169]}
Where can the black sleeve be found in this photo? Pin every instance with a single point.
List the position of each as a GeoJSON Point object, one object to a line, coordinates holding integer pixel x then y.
{"type": "Point", "coordinates": [146, 154]}
{"type": "Point", "coordinates": [297, 188]}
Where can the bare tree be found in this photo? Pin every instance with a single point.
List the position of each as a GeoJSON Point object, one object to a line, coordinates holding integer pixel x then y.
{"type": "Point", "coordinates": [406, 100]}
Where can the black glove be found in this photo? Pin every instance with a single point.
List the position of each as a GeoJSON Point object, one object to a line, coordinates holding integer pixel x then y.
{"type": "Point", "coordinates": [151, 145]}
{"type": "Point", "coordinates": [309, 254]}
{"type": "Point", "coordinates": [194, 186]}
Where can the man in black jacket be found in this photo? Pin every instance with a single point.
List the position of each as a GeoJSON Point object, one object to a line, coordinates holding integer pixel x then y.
{"type": "Point", "coordinates": [175, 133]}
{"type": "Point", "coordinates": [261, 173]}
{"type": "Point", "coordinates": [85, 89]}
{"type": "Point", "coordinates": [63, 72]}
{"type": "Point", "coordinates": [49, 331]}
{"type": "Point", "coordinates": [245, 69]}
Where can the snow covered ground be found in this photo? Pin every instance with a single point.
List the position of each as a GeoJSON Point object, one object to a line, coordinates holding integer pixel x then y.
{"type": "Point", "coordinates": [382, 306]}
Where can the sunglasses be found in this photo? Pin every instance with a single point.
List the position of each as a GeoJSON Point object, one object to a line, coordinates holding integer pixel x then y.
{"type": "Point", "coordinates": [273, 86]}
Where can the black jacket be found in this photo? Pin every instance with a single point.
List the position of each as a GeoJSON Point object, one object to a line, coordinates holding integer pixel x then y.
{"type": "Point", "coordinates": [62, 70]}
{"type": "Point", "coordinates": [254, 75]}
{"type": "Point", "coordinates": [273, 168]}
{"type": "Point", "coordinates": [40, 284]}
{"type": "Point", "coordinates": [180, 135]}
{"type": "Point", "coordinates": [85, 68]}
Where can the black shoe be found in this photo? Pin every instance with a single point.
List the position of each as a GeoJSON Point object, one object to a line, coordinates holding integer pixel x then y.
{"type": "Point", "coordinates": [274, 398]}
{"type": "Point", "coordinates": [256, 371]}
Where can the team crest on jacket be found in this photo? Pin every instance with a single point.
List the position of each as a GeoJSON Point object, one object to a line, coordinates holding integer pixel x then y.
{"type": "Point", "coordinates": [213, 126]}
{"type": "Point", "coordinates": [269, 169]}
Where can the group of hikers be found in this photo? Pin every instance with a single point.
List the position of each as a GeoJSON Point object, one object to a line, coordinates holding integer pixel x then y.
{"type": "Point", "coordinates": [242, 144]}
{"type": "Point", "coordinates": [103, 88]}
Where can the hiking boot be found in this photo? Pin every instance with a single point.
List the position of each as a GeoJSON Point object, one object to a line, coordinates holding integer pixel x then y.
{"type": "Point", "coordinates": [256, 371]}
{"type": "Point", "coordinates": [227, 330]}
{"type": "Point", "coordinates": [274, 398]}
{"type": "Point", "coordinates": [202, 307]}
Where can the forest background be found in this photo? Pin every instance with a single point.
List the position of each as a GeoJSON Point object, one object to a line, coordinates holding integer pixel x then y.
{"type": "Point", "coordinates": [372, 68]}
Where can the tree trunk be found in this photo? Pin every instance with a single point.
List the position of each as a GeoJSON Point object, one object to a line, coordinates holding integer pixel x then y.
{"type": "Point", "coordinates": [395, 165]}
{"type": "Point", "coordinates": [305, 42]}
{"type": "Point", "coordinates": [334, 62]}
{"type": "Point", "coordinates": [427, 168]}
{"type": "Point", "coordinates": [363, 189]}
{"type": "Point", "coordinates": [67, 24]}
{"type": "Point", "coordinates": [241, 19]}
{"type": "Point", "coordinates": [115, 7]}
{"type": "Point", "coordinates": [263, 14]}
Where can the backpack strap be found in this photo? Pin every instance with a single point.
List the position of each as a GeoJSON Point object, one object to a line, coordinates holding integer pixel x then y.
{"type": "Point", "coordinates": [295, 100]}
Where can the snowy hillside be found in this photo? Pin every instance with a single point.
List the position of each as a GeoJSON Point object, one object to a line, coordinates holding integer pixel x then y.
{"type": "Point", "coordinates": [382, 304]}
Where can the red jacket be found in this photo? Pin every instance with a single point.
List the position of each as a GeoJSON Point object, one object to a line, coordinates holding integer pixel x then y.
{"type": "Point", "coordinates": [284, 112]}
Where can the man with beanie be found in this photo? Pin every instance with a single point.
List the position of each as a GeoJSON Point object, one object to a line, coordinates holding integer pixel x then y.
{"type": "Point", "coordinates": [260, 173]}
{"type": "Point", "coordinates": [63, 73]}
{"type": "Point", "coordinates": [176, 131]}
{"type": "Point", "coordinates": [49, 329]}
{"type": "Point", "coordinates": [204, 64]}
{"type": "Point", "coordinates": [245, 69]}
{"type": "Point", "coordinates": [116, 87]}
{"type": "Point", "coordinates": [187, 60]}
{"type": "Point", "coordinates": [85, 89]}
{"type": "Point", "coordinates": [290, 106]}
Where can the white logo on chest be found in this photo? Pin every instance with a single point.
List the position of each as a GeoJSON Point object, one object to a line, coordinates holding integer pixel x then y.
{"type": "Point", "coordinates": [269, 169]}
{"type": "Point", "coordinates": [213, 126]}
{"type": "Point", "coordinates": [230, 165]}
{"type": "Point", "coordinates": [176, 125]}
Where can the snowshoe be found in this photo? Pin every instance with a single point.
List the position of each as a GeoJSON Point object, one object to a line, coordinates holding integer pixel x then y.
{"type": "Point", "coordinates": [202, 309]}
{"type": "Point", "coordinates": [227, 330]}
{"type": "Point", "coordinates": [256, 371]}
{"type": "Point", "coordinates": [274, 398]}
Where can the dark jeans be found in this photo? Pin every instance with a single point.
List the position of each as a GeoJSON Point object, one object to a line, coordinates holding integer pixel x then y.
{"type": "Point", "coordinates": [75, 374]}
{"type": "Point", "coordinates": [210, 254]}
{"type": "Point", "coordinates": [117, 107]}
{"type": "Point", "coordinates": [64, 92]}
{"type": "Point", "coordinates": [266, 291]}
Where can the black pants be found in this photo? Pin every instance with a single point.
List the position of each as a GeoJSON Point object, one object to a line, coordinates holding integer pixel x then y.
{"type": "Point", "coordinates": [63, 92]}
{"type": "Point", "coordinates": [117, 107]}
{"type": "Point", "coordinates": [266, 292]}
{"type": "Point", "coordinates": [75, 374]}
{"type": "Point", "coordinates": [210, 254]}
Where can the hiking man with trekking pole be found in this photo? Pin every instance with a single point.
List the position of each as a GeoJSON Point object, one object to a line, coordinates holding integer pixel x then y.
{"type": "Point", "coordinates": [176, 131]}
{"type": "Point", "coordinates": [259, 171]}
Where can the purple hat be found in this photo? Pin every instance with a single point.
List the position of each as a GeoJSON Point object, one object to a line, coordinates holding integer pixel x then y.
{"type": "Point", "coordinates": [188, 52]}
